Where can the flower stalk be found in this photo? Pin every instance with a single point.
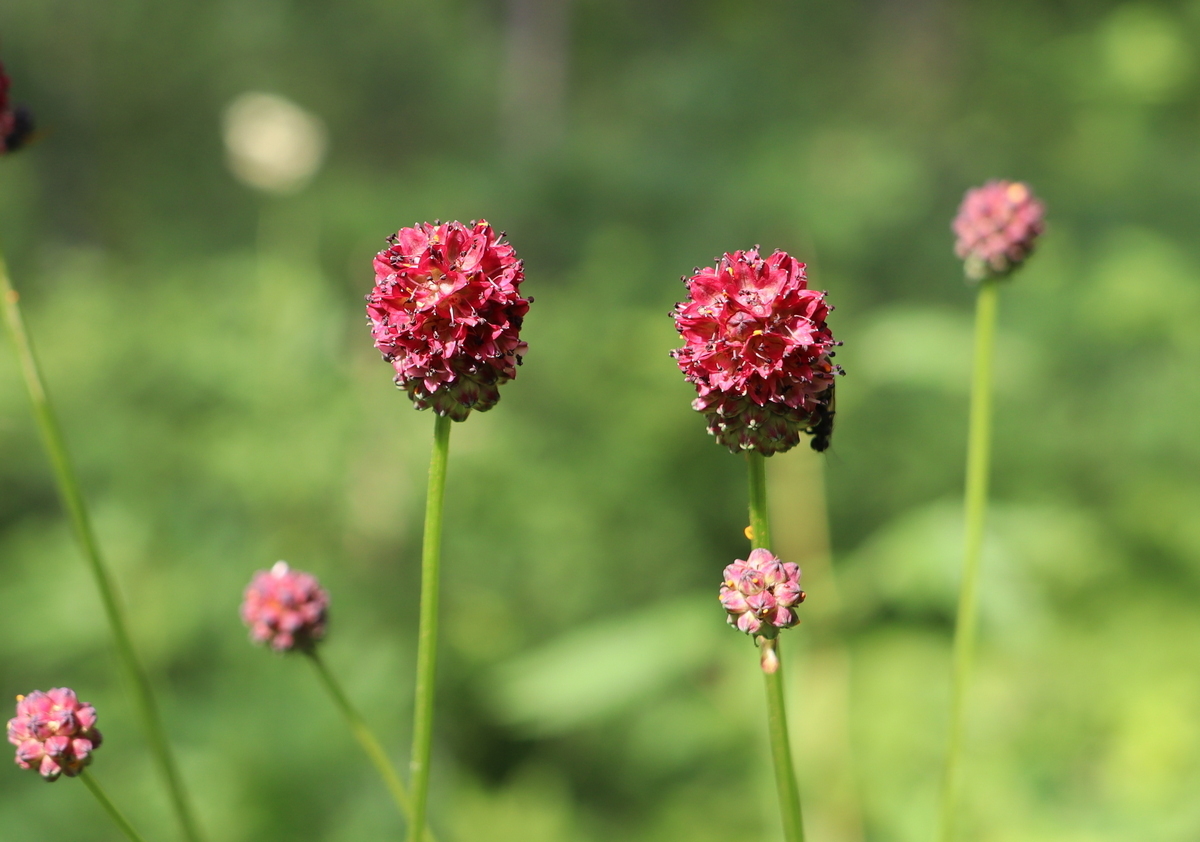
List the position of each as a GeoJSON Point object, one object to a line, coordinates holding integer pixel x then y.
{"type": "Point", "coordinates": [781, 751]}
{"type": "Point", "coordinates": [366, 738]}
{"type": "Point", "coordinates": [979, 438]}
{"type": "Point", "coordinates": [431, 550]}
{"type": "Point", "coordinates": [110, 808]}
{"type": "Point", "coordinates": [73, 501]}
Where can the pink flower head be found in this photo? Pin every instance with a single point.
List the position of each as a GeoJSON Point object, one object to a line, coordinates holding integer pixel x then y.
{"type": "Point", "coordinates": [761, 594]}
{"type": "Point", "coordinates": [16, 123]}
{"type": "Point", "coordinates": [54, 733]}
{"type": "Point", "coordinates": [285, 608]}
{"type": "Point", "coordinates": [996, 227]}
{"type": "Point", "coordinates": [446, 312]}
{"type": "Point", "coordinates": [758, 350]}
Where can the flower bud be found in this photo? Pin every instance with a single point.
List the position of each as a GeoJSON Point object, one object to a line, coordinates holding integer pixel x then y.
{"type": "Point", "coordinates": [996, 227]}
{"type": "Point", "coordinates": [761, 593]}
{"type": "Point", "coordinates": [285, 608]}
{"type": "Point", "coordinates": [54, 733]}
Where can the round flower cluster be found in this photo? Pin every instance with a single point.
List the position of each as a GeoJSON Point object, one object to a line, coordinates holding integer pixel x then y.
{"type": "Point", "coordinates": [16, 123]}
{"type": "Point", "coordinates": [54, 733]}
{"type": "Point", "coordinates": [758, 350]}
{"type": "Point", "coordinates": [996, 227]}
{"type": "Point", "coordinates": [446, 312]}
{"type": "Point", "coordinates": [285, 608]}
{"type": "Point", "coordinates": [761, 594]}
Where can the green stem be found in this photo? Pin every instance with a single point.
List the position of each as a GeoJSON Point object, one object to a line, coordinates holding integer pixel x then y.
{"type": "Point", "coordinates": [431, 550]}
{"type": "Point", "coordinates": [366, 739]}
{"type": "Point", "coordinates": [72, 498]}
{"type": "Point", "coordinates": [965, 631]}
{"type": "Point", "coordinates": [109, 807]}
{"type": "Point", "coordinates": [781, 751]}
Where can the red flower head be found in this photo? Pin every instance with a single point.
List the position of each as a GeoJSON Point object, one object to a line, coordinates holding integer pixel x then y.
{"type": "Point", "coordinates": [758, 350]}
{"type": "Point", "coordinates": [16, 123]}
{"type": "Point", "coordinates": [996, 227]}
{"type": "Point", "coordinates": [285, 608]}
{"type": "Point", "coordinates": [446, 312]}
{"type": "Point", "coordinates": [54, 733]}
{"type": "Point", "coordinates": [760, 594]}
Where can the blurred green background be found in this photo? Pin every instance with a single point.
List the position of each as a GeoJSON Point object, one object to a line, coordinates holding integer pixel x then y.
{"type": "Point", "coordinates": [207, 348]}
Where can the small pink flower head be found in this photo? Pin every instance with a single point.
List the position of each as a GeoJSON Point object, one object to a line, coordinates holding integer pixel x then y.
{"type": "Point", "coordinates": [54, 733]}
{"type": "Point", "coordinates": [756, 346]}
{"type": "Point", "coordinates": [761, 594]}
{"type": "Point", "coordinates": [285, 608]}
{"type": "Point", "coordinates": [446, 312]}
{"type": "Point", "coordinates": [16, 123]}
{"type": "Point", "coordinates": [996, 227]}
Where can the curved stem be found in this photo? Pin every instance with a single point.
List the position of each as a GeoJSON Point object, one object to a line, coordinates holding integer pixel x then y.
{"type": "Point", "coordinates": [72, 498]}
{"type": "Point", "coordinates": [109, 807]}
{"type": "Point", "coordinates": [781, 750]}
{"type": "Point", "coordinates": [427, 635]}
{"type": "Point", "coordinates": [979, 437]}
{"type": "Point", "coordinates": [366, 739]}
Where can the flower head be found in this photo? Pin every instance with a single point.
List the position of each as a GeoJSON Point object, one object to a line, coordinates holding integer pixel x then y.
{"type": "Point", "coordinates": [446, 312]}
{"type": "Point", "coordinates": [761, 594]}
{"type": "Point", "coordinates": [996, 227]}
{"type": "Point", "coordinates": [16, 123]}
{"type": "Point", "coordinates": [54, 733]}
{"type": "Point", "coordinates": [758, 350]}
{"type": "Point", "coordinates": [285, 608]}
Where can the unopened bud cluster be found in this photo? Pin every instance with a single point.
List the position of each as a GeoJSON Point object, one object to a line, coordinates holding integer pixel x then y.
{"type": "Point", "coordinates": [761, 593]}
{"type": "Point", "coordinates": [55, 733]}
{"type": "Point", "coordinates": [996, 226]}
{"type": "Point", "coordinates": [285, 608]}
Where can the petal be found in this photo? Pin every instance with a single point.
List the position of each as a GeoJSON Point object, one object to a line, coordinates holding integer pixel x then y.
{"type": "Point", "coordinates": [30, 751]}
{"type": "Point", "coordinates": [733, 600]}
{"type": "Point", "coordinates": [760, 556]}
{"type": "Point", "coordinates": [49, 769]}
{"type": "Point", "coordinates": [748, 623]}
{"type": "Point", "coordinates": [81, 748]}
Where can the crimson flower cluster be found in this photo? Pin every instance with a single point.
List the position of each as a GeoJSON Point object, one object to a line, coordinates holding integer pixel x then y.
{"type": "Point", "coordinates": [446, 312]}
{"type": "Point", "coordinates": [54, 733]}
{"type": "Point", "coordinates": [16, 123]}
{"type": "Point", "coordinates": [758, 350]}
{"type": "Point", "coordinates": [285, 608]}
{"type": "Point", "coordinates": [761, 593]}
{"type": "Point", "coordinates": [996, 227]}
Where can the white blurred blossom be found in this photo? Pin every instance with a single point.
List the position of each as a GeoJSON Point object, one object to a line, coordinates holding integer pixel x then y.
{"type": "Point", "coordinates": [271, 143]}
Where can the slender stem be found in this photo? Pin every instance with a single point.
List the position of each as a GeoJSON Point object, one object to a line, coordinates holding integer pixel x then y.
{"type": "Point", "coordinates": [760, 518]}
{"type": "Point", "coordinates": [431, 550]}
{"type": "Point", "coordinates": [781, 750]}
{"type": "Point", "coordinates": [109, 807]}
{"type": "Point", "coordinates": [965, 631]}
{"type": "Point", "coordinates": [366, 739]}
{"type": "Point", "coordinates": [72, 498]}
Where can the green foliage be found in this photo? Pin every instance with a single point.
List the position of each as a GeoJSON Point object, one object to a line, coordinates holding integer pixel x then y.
{"type": "Point", "coordinates": [207, 352]}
